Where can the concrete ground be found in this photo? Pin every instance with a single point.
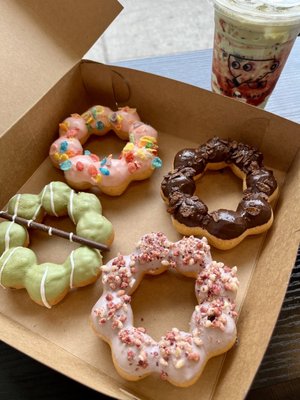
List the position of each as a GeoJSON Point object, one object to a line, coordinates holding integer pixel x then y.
{"type": "Point", "coordinates": [147, 28]}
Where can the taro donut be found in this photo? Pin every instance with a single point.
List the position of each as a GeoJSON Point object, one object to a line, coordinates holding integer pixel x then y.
{"type": "Point", "coordinates": [111, 175]}
{"type": "Point", "coordinates": [223, 228]}
{"type": "Point", "coordinates": [48, 283]}
{"type": "Point", "coordinates": [179, 356]}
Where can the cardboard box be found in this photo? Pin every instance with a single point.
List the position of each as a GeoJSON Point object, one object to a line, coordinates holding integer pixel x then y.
{"type": "Point", "coordinates": [43, 81]}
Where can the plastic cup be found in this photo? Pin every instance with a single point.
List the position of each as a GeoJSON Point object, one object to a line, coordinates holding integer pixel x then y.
{"type": "Point", "coordinates": [253, 39]}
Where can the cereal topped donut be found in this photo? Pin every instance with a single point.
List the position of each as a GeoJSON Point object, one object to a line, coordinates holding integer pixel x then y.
{"type": "Point", "coordinates": [48, 283]}
{"type": "Point", "coordinates": [223, 228]}
{"type": "Point", "coordinates": [178, 357]}
{"type": "Point", "coordinates": [83, 170]}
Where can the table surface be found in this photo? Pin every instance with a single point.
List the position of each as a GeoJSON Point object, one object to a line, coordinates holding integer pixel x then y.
{"type": "Point", "coordinates": [279, 374]}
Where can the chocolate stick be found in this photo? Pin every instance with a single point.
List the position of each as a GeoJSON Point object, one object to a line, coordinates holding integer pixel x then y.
{"type": "Point", "coordinates": [53, 231]}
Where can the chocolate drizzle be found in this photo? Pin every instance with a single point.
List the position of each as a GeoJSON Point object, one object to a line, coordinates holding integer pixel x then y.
{"type": "Point", "coordinates": [178, 188]}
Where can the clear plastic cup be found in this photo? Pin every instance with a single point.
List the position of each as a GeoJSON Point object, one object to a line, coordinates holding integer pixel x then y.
{"type": "Point", "coordinates": [252, 41]}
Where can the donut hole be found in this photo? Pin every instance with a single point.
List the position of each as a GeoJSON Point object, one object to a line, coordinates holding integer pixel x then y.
{"type": "Point", "coordinates": [163, 302]}
{"type": "Point", "coordinates": [105, 145]}
{"type": "Point", "coordinates": [219, 189]}
{"type": "Point", "coordinates": [45, 246]}
{"type": "Point", "coordinates": [211, 317]}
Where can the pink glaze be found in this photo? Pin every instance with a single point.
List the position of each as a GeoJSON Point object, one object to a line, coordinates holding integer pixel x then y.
{"type": "Point", "coordinates": [74, 126]}
{"type": "Point", "coordinates": [74, 149]}
{"type": "Point", "coordinates": [179, 356]}
{"type": "Point", "coordinates": [122, 121]}
{"type": "Point", "coordinates": [83, 170]}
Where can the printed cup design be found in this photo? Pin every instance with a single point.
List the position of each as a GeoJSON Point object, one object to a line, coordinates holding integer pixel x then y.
{"type": "Point", "coordinates": [249, 57]}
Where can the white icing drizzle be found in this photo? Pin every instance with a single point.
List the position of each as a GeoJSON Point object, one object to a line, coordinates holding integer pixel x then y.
{"type": "Point", "coordinates": [4, 264]}
{"type": "Point", "coordinates": [52, 199]}
{"type": "Point", "coordinates": [71, 207]}
{"type": "Point", "coordinates": [29, 222]}
{"type": "Point", "coordinates": [43, 291]}
{"type": "Point", "coordinates": [71, 236]}
{"type": "Point", "coordinates": [50, 231]}
{"type": "Point", "coordinates": [43, 193]}
{"type": "Point", "coordinates": [17, 204]}
{"type": "Point", "coordinates": [2, 255]}
{"type": "Point", "coordinates": [40, 205]}
{"type": "Point", "coordinates": [36, 211]}
{"type": "Point", "coordinates": [72, 268]}
{"type": "Point", "coordinates": [7, 233]}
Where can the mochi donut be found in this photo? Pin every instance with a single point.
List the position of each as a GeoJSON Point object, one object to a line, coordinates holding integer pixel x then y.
{"type": "Point", "coordinates": [83, 170]}
{"type": "Point", "coordinates": [223, 228]}
{"type": "Point", "coordinates": [178, 357]}
{"type": "Point", "coordinates": [48, 283]}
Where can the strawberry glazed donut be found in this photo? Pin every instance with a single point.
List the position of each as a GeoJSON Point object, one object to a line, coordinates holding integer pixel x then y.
{"type": "Point", "coordinates": [178, 357]}
{"type": "Point", "coordinates": [83, 170]}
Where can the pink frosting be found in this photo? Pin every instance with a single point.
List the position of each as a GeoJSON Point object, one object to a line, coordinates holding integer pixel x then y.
{"type": "Point", "coordinates": [74, 126]}
{"type": "Point", "coordinates": [83, 170]}
{"type": "Point", "coordinates": [179, 356]}
{"type": "Point", "coordinates": [74, 148]}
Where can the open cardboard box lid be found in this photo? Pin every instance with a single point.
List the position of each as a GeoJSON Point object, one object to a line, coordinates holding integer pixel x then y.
{"type": "Point", "coordinates": [44, 39]}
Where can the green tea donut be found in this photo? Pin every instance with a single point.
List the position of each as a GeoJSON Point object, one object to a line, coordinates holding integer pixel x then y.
{"type": "Point", "coordinates": [48, 283]}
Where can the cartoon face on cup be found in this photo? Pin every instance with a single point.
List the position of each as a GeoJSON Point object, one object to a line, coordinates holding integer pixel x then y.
{"type": "Point", "coordinates": [253, 73]}
{"type": "Point", "coordinates": [251, 45]}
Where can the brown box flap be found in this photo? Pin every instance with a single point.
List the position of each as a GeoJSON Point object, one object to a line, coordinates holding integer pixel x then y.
{"type": "Point", "coordinates": [40, 42]}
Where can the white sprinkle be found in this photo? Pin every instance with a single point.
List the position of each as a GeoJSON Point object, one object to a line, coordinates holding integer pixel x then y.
{"type": "Point", "coordinates": [71, 236]}
{"type": "Point", "coordinates": [50, 231]}
{"type": "Point", "coordinates": [226, 304]}
{"type": "Point", "coordinates": [132, 282]}
{"type": "Point", "coordinates": [198, 342]}
{"type": "Point", "coordinates": [179, 364]}
{"type": "Point", "coordinates": [178, 352]}
{"type": "Point", "coordinates": [208, 324]}
{"type": "Point", "coordinates": [120, 325]}
{"type": "Point", "coordinates": [195, 332]}
{"type": "Point", "coordinates": [163, 362]}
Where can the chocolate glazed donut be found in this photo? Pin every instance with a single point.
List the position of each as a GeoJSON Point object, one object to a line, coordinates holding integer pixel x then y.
{"type": "Point", "coordinates": [223, 228]}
